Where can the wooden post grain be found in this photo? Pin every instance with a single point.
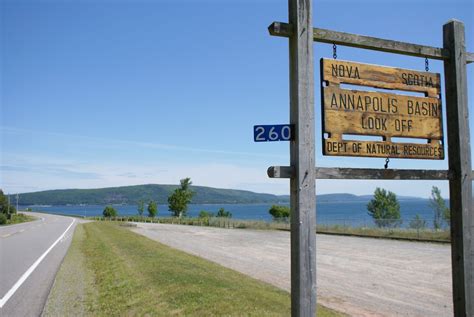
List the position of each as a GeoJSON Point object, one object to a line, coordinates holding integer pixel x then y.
{"type": "Point", "coordinates": [302, 159]}
{"type": "Point", "coordinates": [460, 184]}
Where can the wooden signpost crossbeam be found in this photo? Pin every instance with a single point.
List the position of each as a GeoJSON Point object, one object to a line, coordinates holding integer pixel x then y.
{"type": "Point", "coordinates": [367, 42]}
{"type": "Point", "coordinates": [303, 172]}
{"type": "Point", "coordinates": [363, 173]}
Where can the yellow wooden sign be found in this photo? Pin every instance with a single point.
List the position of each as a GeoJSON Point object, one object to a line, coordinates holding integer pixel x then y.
{"type": "Point", "coordinates": [375, 113]}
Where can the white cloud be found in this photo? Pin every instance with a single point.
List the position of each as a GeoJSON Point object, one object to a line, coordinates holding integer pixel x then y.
{"type": "Point", "coordinates": [26, 174]}
{"type": "Point", "coordinates": [121, 144]}
{"type": "Point", "coordinates": [35, 174]}
{"type": "Point", "coordinates": [23, 173]}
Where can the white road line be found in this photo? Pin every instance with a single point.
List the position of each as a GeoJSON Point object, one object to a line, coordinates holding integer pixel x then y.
{"type": "Point", "coordinates": [25, 275]}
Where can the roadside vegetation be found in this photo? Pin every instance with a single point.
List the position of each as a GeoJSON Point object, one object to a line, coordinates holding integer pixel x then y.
{"type": "Point", "coordinates": [111, 271]}
{"type": "Point", "coordinates": [425, 235]}
{"type": "Point", "coordinates": [384, 209]}
{"type": "Point", "coordinates": [280, 213]}
{"type": "Point", "coordinates": [109, 211]}
{"type": "Point", "coordinates": [8, 212]}
{"type": "Point", "coordinates": [421, 234]}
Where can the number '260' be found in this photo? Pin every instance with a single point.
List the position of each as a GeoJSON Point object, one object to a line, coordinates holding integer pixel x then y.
{"type": "Point", "coordinates": [279, 132]}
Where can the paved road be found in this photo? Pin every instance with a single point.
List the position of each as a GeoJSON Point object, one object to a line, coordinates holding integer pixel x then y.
{"type": "Point", "coordinates": [359, 276]}
{"type": "Point", "coordinates": [24, 257]}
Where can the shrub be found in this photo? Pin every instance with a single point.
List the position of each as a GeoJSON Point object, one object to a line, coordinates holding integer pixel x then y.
{"type": "Point", "coordinates": [417, 222]}
{"type": "Point", "coordinates": [3, 219]}
{"type": "Point", "coordinates": [205, 214]}
{"type": "Point", "coordinates": [280, 213]}
{"type": "Point", "coordinates": [222, 213]}
{"type": "Point", "coordinates": [109, 211]}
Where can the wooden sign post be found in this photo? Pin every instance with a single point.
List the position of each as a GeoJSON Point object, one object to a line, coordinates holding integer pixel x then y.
{"type": "Point", "coordinates": [460, 182]}
{"type": "Point", "coordinates": [302, 159]}
{"type": "Point", "coordinates": [422, 121]}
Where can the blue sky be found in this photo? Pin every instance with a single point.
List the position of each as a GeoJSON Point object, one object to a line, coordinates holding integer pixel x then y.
{"type": "Point", "coordinates": [110, 93]}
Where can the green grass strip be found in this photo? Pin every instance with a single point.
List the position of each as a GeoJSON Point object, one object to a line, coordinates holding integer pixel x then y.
{"type": "Point", "coordinates": [116, 272]}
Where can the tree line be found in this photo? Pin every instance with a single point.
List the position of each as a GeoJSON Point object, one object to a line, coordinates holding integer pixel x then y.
{"type": "Point", "coordinates": [178, 202]}
{"type": "Point", "coordinates": [384, 208]}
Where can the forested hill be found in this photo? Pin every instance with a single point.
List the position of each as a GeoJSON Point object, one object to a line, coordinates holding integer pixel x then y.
{"type": "Point", "coordinates": [203, 195]}
{"type": "Point", "coordinates": [133, 194]}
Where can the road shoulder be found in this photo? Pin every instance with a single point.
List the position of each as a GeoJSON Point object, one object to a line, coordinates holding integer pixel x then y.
{"type": "Point", "coordinates": [72, 284]}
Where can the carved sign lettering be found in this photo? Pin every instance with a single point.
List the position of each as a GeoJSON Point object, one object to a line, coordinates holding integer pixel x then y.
{"type": "Point", "coordinates": [374, 113]}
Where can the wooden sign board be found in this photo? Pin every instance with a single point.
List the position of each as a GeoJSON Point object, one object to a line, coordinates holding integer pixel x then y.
{"type": "Point", "coordinates": [374, 113]}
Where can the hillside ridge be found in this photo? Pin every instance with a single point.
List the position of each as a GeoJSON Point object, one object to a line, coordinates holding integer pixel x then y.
{"type": "Point", "coordinates": [160, 192]}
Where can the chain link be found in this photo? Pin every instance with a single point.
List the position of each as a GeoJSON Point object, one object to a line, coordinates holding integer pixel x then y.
{"type": "Point", "coordinates": [334, 51]}
{"type": "Point", "coordinates": [427, 64]}
{"type": "Point", "coordinates": [387, 160]}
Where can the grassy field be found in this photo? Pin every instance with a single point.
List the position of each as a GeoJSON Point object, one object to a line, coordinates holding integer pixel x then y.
{"type": "Point", "coordinates": [111, 271]}
{"type": "Point", "coordinates": [389, 233]}
{"type": "Point", "coordinates": [372, 232]}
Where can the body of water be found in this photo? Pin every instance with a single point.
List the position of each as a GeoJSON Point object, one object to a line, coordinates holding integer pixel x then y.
{"type": "Point", "coordinates": [328, 213]}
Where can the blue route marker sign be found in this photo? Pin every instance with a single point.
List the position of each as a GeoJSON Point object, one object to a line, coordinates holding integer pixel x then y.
{"type": "Point", "coordinates": [274, 132]}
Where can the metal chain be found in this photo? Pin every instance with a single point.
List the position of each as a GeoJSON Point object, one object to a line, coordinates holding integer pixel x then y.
{"type": "Point", "coordinates": [387, 160]}
{"type": "Point", "coordinates": [334, 51]}
{"type": "Point", "coordinates": [427, 64]}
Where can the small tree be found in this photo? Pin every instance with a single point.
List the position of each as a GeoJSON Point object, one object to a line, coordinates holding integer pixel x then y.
{"type": "Point", "coordinates": [5, 208]}
{"type": "Point", "coordinates": [140, 207]}
{"type": "Point", "coordinates": [3, 203]}
{"type": "Point", "coordinates": [440, 211]}
{"type": "Point", "coordinates": [417, 222]}
{"type": "Point", "coordinates": [180, 198]}
{"type": "Point", "coordinates": [152, 209]}
{"type": "Point", "coordinates": [280, 213]}
{"type": "Point", "coordinates": [109, 211]}
{"type": "Point", "coordinates": [222, 213]}
{"type": "Point", "coordinates": [384, 208]}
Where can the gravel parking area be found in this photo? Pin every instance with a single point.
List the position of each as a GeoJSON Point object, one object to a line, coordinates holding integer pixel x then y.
{"type": "Point", "coordinates": [357, 276]}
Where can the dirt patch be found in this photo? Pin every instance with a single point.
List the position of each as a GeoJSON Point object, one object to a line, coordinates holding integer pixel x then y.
{"type": "Point", "coordinates": [358, 276]}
